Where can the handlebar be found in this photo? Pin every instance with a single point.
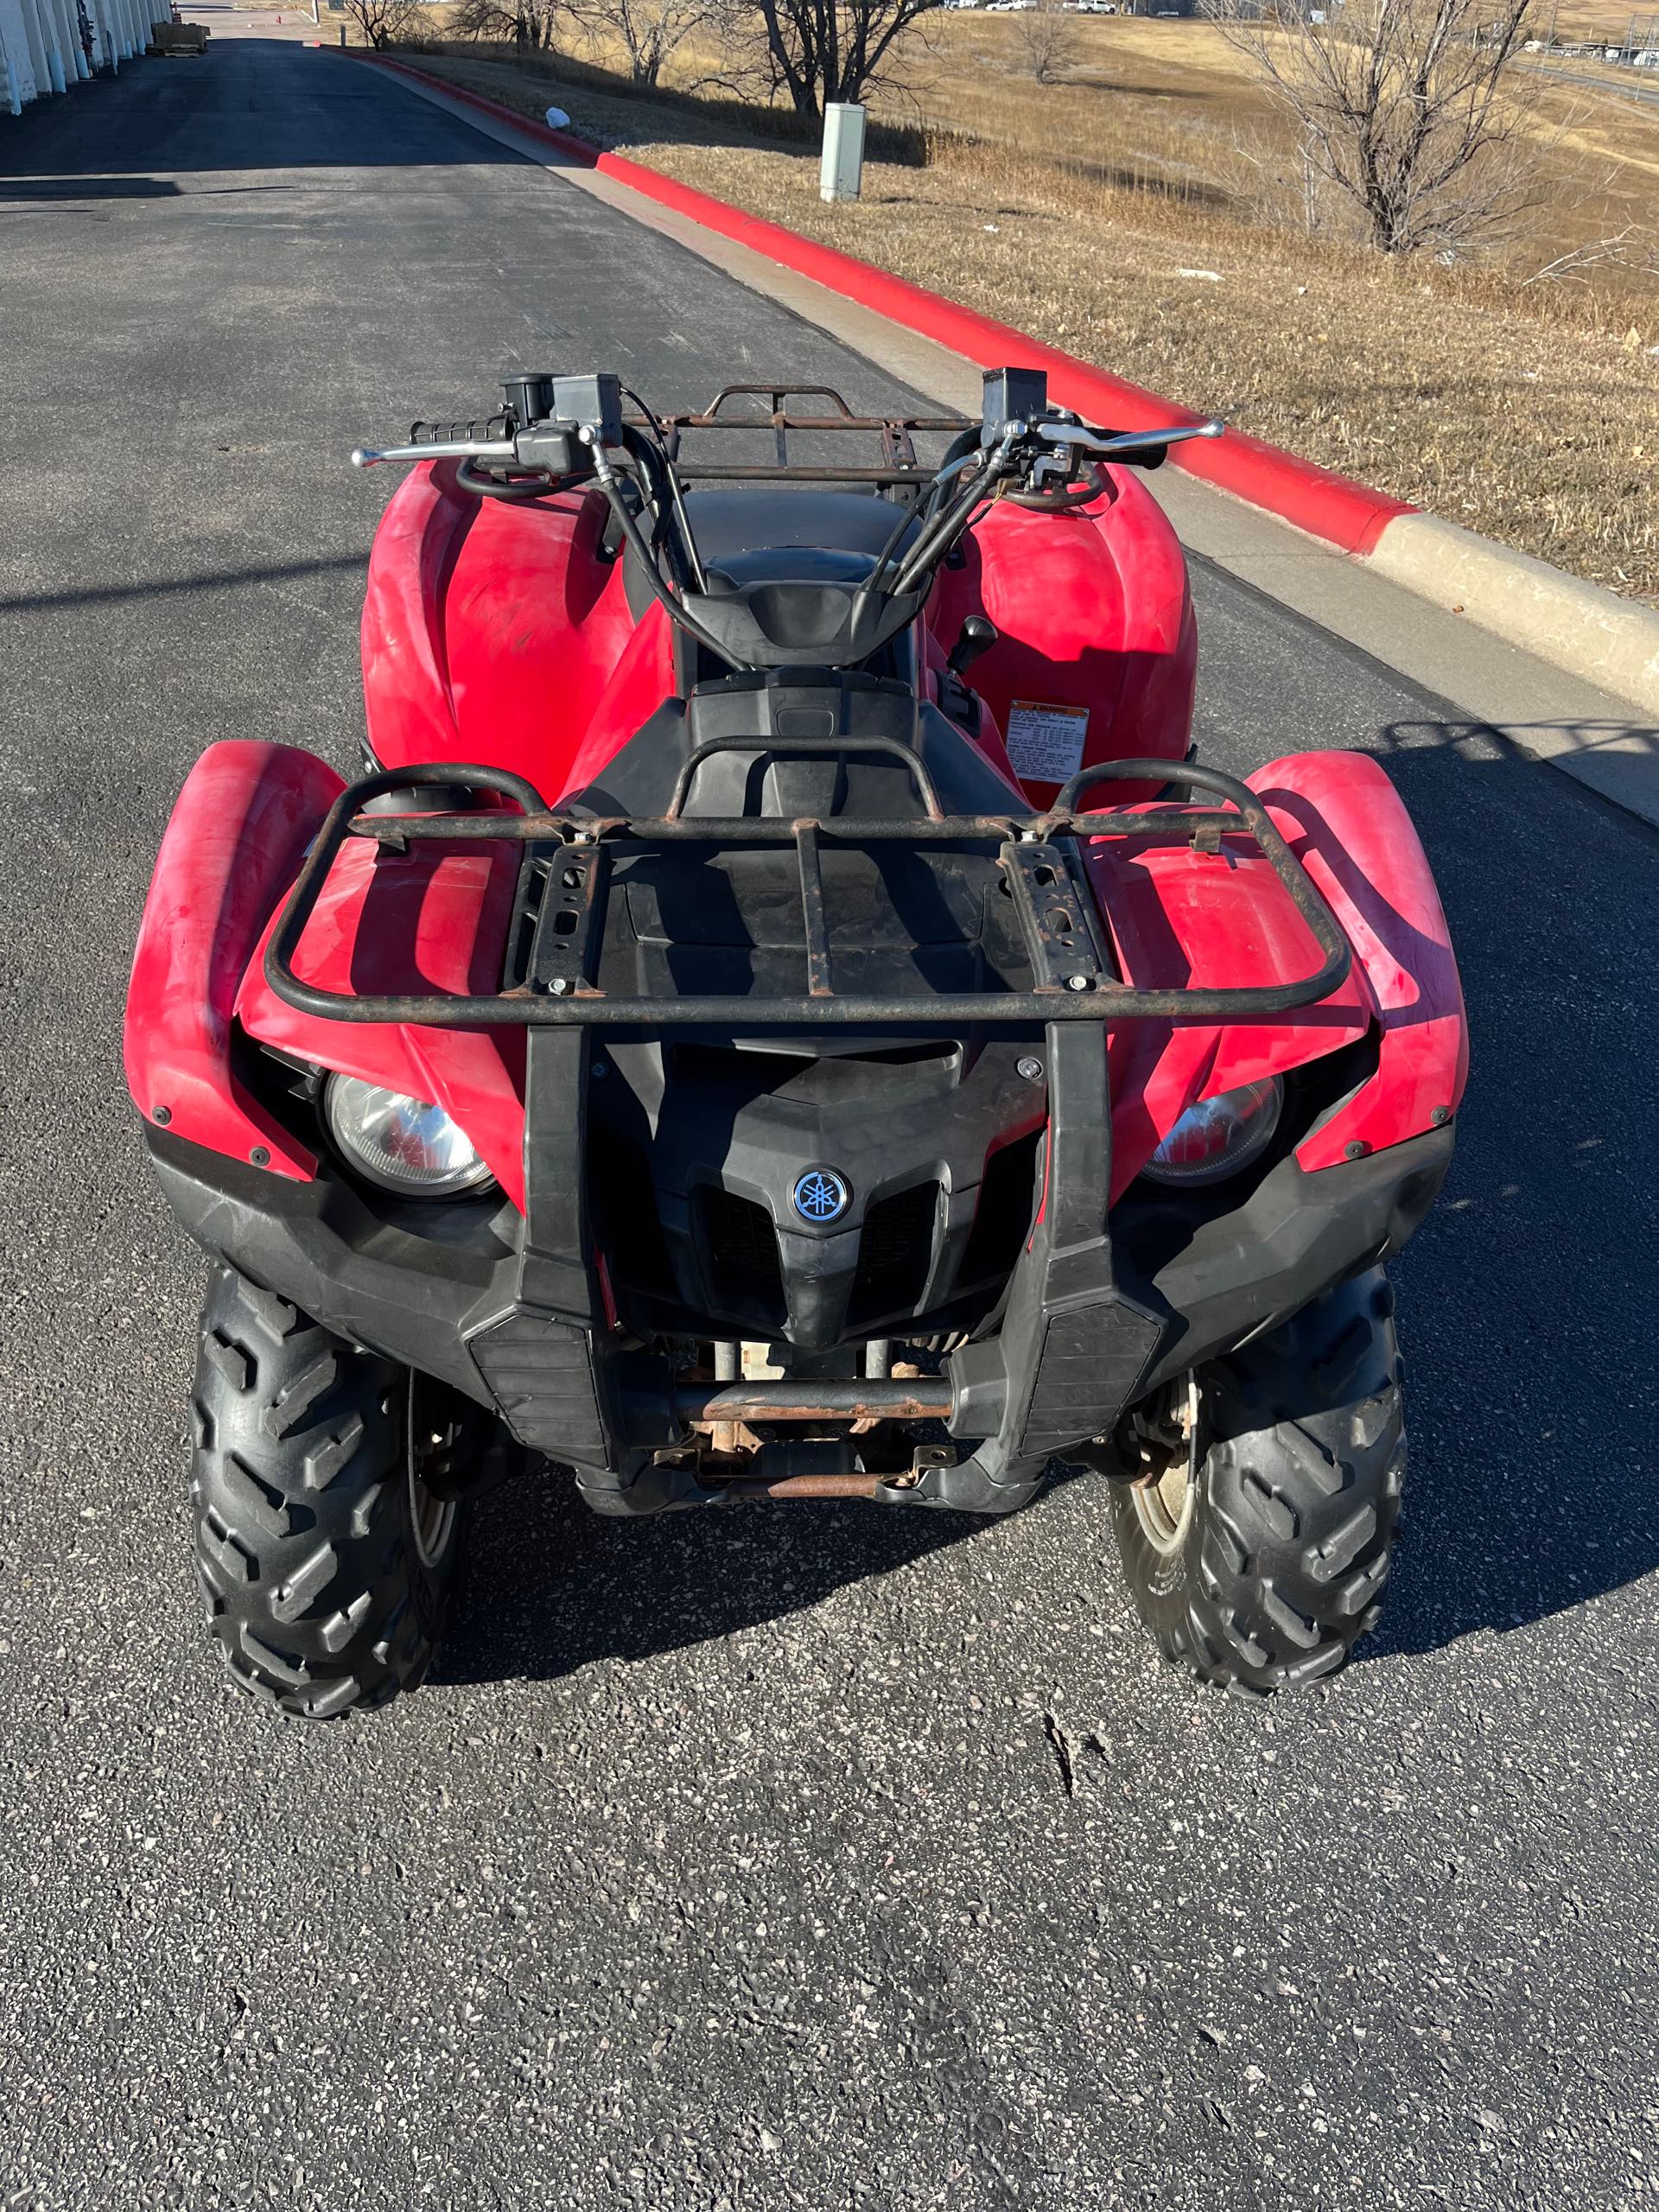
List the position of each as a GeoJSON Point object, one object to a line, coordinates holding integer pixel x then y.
{"type": "Point", "coordinates": [436, 442]}
{"type": "Point", "coordinates": [556, 432]}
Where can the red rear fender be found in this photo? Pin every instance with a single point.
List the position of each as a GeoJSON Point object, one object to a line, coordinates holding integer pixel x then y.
{"type": "Point", "coordinates": [1184, 920]}
{"type": "Point", "coordinates": [232, 848]}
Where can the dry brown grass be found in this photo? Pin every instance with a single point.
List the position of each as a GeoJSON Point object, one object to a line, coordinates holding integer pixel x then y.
{"type": "Point", "coordinates": [1529, 414]}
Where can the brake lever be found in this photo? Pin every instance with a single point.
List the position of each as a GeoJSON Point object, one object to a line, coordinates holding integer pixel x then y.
{"type": "Point", "coordinates": [495, 450]}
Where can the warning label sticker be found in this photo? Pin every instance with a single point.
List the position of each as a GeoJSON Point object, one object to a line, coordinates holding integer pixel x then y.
{"type": "Point", "coordinates": [1046, 743]}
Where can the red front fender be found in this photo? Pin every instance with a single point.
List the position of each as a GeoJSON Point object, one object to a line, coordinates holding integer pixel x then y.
{"type": "Point", "coordinates": [232, 849]}
{"type": "Point", "coordinates": [1183, 917]}
{"type": "Point", "coordinates": [1348, 826]}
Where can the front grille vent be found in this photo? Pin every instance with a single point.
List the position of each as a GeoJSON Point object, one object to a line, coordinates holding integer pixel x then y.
{"type": "Point", "coordinates": [625, 1203]}
{"type": "Point", "coordinates": [895, 1255]}
{"type": "Point", "coordinates": [1007, 1199]}
{"type": "Point", "coordinates": [742, 1246]}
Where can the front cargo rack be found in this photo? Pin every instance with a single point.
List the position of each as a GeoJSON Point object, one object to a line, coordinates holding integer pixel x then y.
{"type": "Point", "coordinates": [1039, 857]}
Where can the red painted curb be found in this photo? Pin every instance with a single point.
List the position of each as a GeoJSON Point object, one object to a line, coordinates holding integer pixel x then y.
{"type": "Point", "coordinates": [1345, 514]}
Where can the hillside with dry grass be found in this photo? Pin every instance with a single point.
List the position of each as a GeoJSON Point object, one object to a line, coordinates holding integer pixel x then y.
{"type": "Point", "coordinates": [1122, 214]}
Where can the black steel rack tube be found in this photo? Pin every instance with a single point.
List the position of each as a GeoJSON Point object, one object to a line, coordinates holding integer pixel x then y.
{"type": "Point", "coordinates": [1101, 999]}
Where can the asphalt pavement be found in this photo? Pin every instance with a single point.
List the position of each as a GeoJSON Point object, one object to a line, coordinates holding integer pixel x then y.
{"type": "Point", "coordinates": [730, 1861]}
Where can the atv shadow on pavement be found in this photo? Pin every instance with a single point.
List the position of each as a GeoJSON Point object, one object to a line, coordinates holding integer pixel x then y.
{"type": "Point", "coordinates": [548, 1587]}
{"type": "Point", "coordinates": [1528, 1329]}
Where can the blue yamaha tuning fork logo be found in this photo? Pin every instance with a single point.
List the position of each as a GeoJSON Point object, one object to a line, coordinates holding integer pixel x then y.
{"type": "Point", "coordinates": [821, 1195]}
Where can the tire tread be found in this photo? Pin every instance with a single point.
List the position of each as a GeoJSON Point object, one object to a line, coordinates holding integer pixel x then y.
{"type": "Point", "coordinates": [1291, 1541]}
{"type": "Point", "coordinates": [314, 1599]}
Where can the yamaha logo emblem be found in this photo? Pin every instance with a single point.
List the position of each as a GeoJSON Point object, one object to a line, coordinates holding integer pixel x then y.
{"type": "Point", "coordinates": [821, 1195]}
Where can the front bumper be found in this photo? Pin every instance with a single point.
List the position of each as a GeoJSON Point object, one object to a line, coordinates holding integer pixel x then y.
{"type": "Point", "coordinates": [439, 1287]}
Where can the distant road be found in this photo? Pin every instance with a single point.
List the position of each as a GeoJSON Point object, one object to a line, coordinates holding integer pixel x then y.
{"type": "Point", "coordinates": [1583, 82]}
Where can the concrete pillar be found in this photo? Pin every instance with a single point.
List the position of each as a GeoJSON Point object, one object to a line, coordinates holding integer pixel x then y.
{"type": "Point", "coordinates": [68, 37]}
{"type": "Point", "coordinates": [19, 80]}
{"type": "Point", "coordinates": [39, 66]}
{"type": "Point", "coordinates": [16, 79]}
{"type": "Point", "coordinates": [51, 39]}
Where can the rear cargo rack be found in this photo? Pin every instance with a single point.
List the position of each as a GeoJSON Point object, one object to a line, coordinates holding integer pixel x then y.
{"type": "Point", "coordinates": [568, 857]}
{"type": "Point", "coordinates": [898, 466]}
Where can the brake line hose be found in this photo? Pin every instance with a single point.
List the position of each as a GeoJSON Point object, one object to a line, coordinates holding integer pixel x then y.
{"type": "Point", "coordinates": [610, 485]}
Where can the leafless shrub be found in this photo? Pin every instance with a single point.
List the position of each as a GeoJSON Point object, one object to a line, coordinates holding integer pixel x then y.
{"type": "Point", "coordinates": [1633, 245]}
{"type": "Point", "coordinates": [1402, 107]}
{"type": "Point", "coordinates": [385, 22]}
{"type": "Point", "coordinates": [651, 32]}
{"type": "Point", "coordinates": [1275, 175]}
{"type": "Point", "coordinates": [1045, 40]}
{"type": "Point", "coordinates": [528, 25]}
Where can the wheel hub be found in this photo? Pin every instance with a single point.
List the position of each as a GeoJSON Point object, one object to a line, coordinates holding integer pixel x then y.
{"type": "Point", "coordinates": [427, 1442]}
{"type": "Point", "coordinates": [1167, 1495]}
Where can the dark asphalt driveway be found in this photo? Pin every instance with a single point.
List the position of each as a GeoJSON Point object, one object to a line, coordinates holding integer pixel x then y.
{"type": "Point", "coordinates": [728, 1864]}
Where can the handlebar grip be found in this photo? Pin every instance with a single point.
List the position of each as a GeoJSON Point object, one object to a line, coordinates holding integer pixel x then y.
{"type": "Point", "coordinates": [493, 430]}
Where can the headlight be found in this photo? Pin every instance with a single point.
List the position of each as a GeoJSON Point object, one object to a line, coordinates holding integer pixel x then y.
{"type": "Point", "coordinates": [401, 1143]}
{"type": "Point", "coordinates": [1219, 1135]}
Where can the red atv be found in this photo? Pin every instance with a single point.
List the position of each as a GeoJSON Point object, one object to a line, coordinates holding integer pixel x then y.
{"type": "Point", "coordinates": [784, 1016]}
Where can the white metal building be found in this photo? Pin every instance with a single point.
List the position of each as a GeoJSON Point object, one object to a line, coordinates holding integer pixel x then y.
{"type": "Point", "coordinates": [45, 45]}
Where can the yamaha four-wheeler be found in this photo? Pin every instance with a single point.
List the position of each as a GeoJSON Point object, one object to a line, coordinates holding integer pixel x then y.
{"type": "Point", "coordinates": [785, 1015]}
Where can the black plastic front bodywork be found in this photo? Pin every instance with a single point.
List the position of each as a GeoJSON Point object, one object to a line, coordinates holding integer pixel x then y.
{"type": "Point", "coordinates": [1093, 1321]}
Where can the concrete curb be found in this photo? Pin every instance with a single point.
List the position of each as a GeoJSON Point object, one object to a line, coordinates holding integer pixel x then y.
{"type": "Point", "coordinates": [1576, 626]}
{"type": "Point", "coordinates": [1593, 633]}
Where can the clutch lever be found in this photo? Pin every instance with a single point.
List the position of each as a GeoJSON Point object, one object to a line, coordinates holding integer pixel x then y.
{"type": "Point", "coordinates": [1076, 441]}
{"type": "Point", "coordinates": [1105, 443]}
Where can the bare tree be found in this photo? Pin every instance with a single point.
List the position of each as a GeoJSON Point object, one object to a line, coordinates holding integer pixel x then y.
{"type": "Point", "coordinates": [816, 51]}
{"type": "Point", "coordinates": [527, 24]}
{"type": "Point", "coordinates": [384, 23]}
{"type": "Point", "coordinates": [1046, 39]}
{"type": "Point", "coordinates": [650, 32]}
{"type": "Point", "coordinates": [1402, 108]}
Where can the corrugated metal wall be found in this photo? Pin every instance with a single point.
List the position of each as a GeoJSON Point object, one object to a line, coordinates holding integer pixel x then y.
{"type": "Point", "coordinates": [46, 46]}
